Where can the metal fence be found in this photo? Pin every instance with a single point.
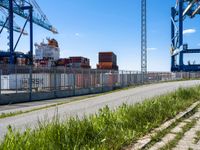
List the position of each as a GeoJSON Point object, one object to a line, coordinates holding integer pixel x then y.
{"type": "Point", "coordinates": [36, 82]}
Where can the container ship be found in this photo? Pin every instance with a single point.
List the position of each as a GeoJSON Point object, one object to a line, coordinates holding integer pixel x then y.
{"type": "Point", "coordinates": [46, 54]}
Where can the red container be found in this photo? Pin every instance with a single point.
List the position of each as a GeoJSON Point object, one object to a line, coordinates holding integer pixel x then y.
{"type": "Point", "coordinates": [79, 62]}
{"type": "Point", "coordinates": [107, 57]}
{"type": "Point", "coordinates": [4, 60]}
{"type": "Point", "coordinates": [63, 62]}
{"type": "Point", "coordinates": [107, 61]}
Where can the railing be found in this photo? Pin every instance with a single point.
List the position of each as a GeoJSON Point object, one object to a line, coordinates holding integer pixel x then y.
{"type": "Point", "coordinates": [36, 82]}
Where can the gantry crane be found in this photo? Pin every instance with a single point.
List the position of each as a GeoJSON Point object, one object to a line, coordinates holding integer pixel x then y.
{"type": "Point", "coordinates": [4, 23]}
{"type": "Point", "coordinates": [24, 9]}
{"type": "Point", "coordinates": [184, 9]}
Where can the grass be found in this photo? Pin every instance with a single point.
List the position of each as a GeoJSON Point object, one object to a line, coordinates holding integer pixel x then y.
{"type": "Point", "coordinates": [179, 136]}
{"type": "Point", "coordinates": [109, 129]}
{"type": "Point", "coordinates": [5, 115]}
{"type": "Point", "coordinates": [160, 134]}
{"type": "Point", "coordinates": [158, 137]}
{"type": "Point", "coordinates": [197, 137]}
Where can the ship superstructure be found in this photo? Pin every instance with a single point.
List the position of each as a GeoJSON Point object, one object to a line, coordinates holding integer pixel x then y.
{"type": "Point", "coordinates": [47, 51]}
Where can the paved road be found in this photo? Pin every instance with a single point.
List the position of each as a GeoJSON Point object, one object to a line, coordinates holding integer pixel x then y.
{"type": "Point", "coordinates": [92, 105]}
{"type": "Point", "coordinates": [11, 108]}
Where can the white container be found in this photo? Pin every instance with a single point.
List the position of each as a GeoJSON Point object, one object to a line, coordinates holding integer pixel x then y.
{"type": "Point", "coordinates": [5, 82]}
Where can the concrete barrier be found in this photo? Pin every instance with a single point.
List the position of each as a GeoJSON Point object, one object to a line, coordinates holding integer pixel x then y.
{"type": "Point", "coordinates": [13, 98]}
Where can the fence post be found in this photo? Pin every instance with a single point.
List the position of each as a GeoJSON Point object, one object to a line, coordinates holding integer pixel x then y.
{"type": "Point", "coordinates": [102, 84]}
{"type": "Point", "coordinates": [189, 75]}
{"type": "Point", "coordinates": [55, 83]}
{"type": "Point", "coordinates": [136, 78]}
{"type": "Point", "coordinates": [157, 77]}
{"type": "Point", "coordinates": [0, 82]}
{"type": "Point", "coordinates": [181, 75]}
{"type": "Point", "coordinates": [63, 75]}
{"type": "Point", "coordinates": [74, 82]}
{"type": "Point", "coordinates": [122, 79]}
{"type": "Point", "coordinates": [83, 82]}
{"type": "Point", "coordinates": [16, 79]}
{"type": "Point", "coordinates": [30, 82]}
{"type": "Point", "coordinates": [142, 78]}
{"type": "Point", "coordinates": [90, 80]}
{"type": "Point", "coordinates": [96, 78]}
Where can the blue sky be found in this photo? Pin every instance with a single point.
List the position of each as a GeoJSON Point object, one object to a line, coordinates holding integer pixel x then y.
{"type": "Point", "coordinates": [89, 26]}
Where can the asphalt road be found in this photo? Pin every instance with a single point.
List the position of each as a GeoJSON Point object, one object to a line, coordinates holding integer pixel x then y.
{"type": "Point", "coordinates": [91, 105]}
{"type": "Point", "coordinates": [12, 108]}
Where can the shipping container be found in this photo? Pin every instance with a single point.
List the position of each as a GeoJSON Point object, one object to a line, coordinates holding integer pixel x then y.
{"type": "Point", "coordinates": [107, 57]}
{"type": "Point", "coordinates": [63, 62]}
{"type": "Point", "coordinates": [107, 60]}
{"type": "Point", "coordinates": [21, 61]}
{"type": "Point", "coordinates": [4, 60]}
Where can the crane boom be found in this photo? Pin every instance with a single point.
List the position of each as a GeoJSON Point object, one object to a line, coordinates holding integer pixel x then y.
{"type": "Point", "coordinates": [4, 23]}
{"type": "Point", "coordinates": [38, 19]}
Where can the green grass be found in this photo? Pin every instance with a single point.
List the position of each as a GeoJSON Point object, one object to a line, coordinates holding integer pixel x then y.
{"type": "Point", "coordinates": [160, 134]}
{"type": "Point", "coordinates": [109, 129]}
{"type": "Point", "coordinates": [5, 115]}
{"type": "Point", "coordinates": [197, 137]}
{"type": "Point", "coordinates": [179, 136]}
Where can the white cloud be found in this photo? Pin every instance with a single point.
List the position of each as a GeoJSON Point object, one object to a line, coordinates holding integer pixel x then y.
{"type": "Point", "coordinates": [77, 34]}
{"type": "Point", "coordinates": [151, 49]}
{"type": "Point", "coordinates": [189, 31]}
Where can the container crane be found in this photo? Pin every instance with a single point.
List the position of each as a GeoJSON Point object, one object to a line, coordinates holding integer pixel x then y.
{"type": "Point", "coordinates": [31, 12]}
{"type": "Point", "coordinates": [4, 23]}
{"type": "Point", "coordinates": [39, 18]}
{"type": "Point", "coordinates": [184, 9]}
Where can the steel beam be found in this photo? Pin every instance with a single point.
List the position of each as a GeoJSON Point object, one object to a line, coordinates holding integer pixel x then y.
{"type": "Point", "coordinates": [180, 23]}
{"type": "Point", "coordinates": [189, 7]}
{"type": "Point", "coordinates": [196, 11]}
{"type": "Point", "coordinates": [31, 34]}
{"type": "Point", "coordinates": [11, 34]}
{"type": "Point", "coordinates": [143, 38]}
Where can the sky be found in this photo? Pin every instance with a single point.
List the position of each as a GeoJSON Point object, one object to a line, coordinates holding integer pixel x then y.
{"type": "Point", "coordinates": [88, 26]}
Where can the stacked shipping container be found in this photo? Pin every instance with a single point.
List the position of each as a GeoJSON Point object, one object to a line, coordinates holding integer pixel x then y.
{"type": "Point", "coordinates": [19, 59]}
{"type": "Point", "coordinates": [74, 62]}
{"type": "Point", "coordinates": [108, 61]}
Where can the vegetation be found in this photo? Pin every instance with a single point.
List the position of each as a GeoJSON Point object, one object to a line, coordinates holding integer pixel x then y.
{"type": "Point", "coordinates": [109, 129]}
{"type": "Point", "coordinates": [197, 138]}
{"type": "Point", "coordinates": [160, 134]}
{"type": "Point", "coordinates": [179, 136]}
